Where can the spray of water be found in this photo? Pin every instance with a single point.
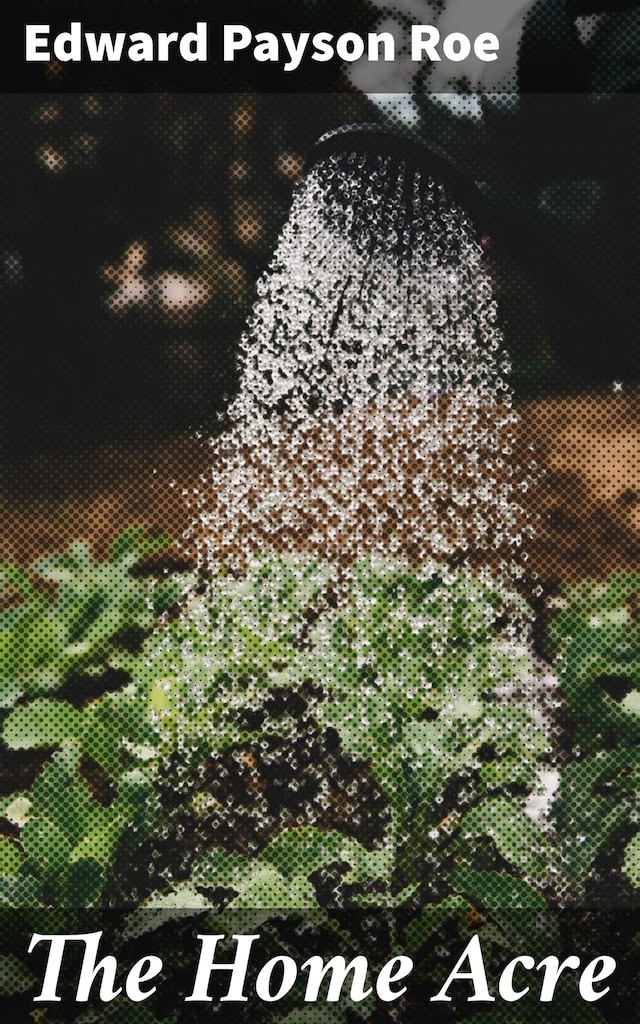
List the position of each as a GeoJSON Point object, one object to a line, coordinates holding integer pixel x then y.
{"type": "Point", "coordinates": [373, 416]}
{"type": "Point", "coordinates": [373, 422]}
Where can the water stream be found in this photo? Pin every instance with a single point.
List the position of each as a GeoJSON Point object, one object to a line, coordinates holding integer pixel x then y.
{"type": "Point", "coordinates": [374, 415]}
{"type": "Point", "coordinates": [373, 426]}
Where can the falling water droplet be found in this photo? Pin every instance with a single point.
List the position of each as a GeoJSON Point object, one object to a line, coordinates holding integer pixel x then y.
{"type": "Point", "coordinates": [372, 411]}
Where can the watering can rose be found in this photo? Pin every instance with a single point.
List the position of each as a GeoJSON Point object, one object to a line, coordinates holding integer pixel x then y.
{"type": "Point", "coordinates": [323, 981]}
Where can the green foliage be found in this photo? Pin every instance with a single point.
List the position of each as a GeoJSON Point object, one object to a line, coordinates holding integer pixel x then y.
{"type": "Point", "coordinates": [407, 670]}
{"type": "Point", "coordinates": [229, 647]}
{"type": "Point", "coordinates": [417, 681]}
{"type": "Point", "coordinates": [68, 623]}
{"type": "Point", "coordinates": [280, 876]}
{"type": "Point", "coordinates": [597, 810]}
{"type": "Point", "coordinates": [68, 838]}
{"type": "Point", "coordinates": [596, 636]}
{"type": "Point", "coordinates": [417, 677]}
{"type": "Point", "coordinates": [95, 603]}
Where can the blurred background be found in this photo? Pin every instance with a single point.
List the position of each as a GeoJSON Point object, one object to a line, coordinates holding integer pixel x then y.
{"type": "Point", "coordinates": [135, 226]}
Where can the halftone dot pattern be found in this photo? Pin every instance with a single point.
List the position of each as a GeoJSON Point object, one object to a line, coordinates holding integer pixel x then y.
{"type": "Point", "coordinates": [347, 705]}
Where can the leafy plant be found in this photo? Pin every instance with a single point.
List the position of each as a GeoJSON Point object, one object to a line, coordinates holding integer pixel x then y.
{"type": "Point", "coordinates": [68, 623]}
{"type": "Point", "coordinates": [67, 615]}
{"type": "Point", "coordinates": [418, 669]}
{"type": "Point", "coordinates": [298, 741]}
{"type": "Point", "coordinates": [595, 636]}
{"type": "Point", "coordinates": [67, 837]}
{"type": "Point", "coordinates": [415, 676]}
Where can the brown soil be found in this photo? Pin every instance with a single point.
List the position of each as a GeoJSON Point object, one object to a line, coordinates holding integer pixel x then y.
{"type": "Point", "coordinates": [587, 505]}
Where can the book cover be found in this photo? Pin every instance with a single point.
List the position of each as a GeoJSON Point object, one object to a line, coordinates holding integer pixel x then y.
{"type": "Point", "coordinates": [320, 538]}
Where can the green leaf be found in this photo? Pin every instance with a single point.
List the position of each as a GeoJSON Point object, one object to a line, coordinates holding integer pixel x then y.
{"type": "Point", "coordinates": [595, 806]}
{"type": "Point", "coordinates": [14, 578]}
{"type": "Point", "coordinates": [99, 845]}
{"type": "Point", "coordinates": [264, 887]}
{"type": "Point", "coordinates": [22, 891]}
{"type": "Point", "coordinates": [631, 863]}
{"type": "Point", "coordinates": [41, 723]}
{"type": "Point", "coordinates": [60, 794]}
{"type": "Point", "coordinates": [14, 976]}
{"type": "Point", "coordinates": [10, 856]}
{"type": "Point", "coordinates": [301, 851]}
{"type": "Point", "coordinates": [139, 542]}
{"type": "Point", "coordinates": [80, 883]}
{"type": "Point", "coordinates": [257, 883]}
{"type": "Point", "coordinates": [517, 839]}
{"type": "Point", "coordinates": [45, 842]}
{"type": "Point", "coordinates": [10, 691]}
{"type": "Point", "coordinates": [138, 800]}
{"type": "Point", "coordinates": [494, 890]}
{"type": "Point", "coordinates": [182, 897]}
{"type": "Point", "coordinates": [432, 919]}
